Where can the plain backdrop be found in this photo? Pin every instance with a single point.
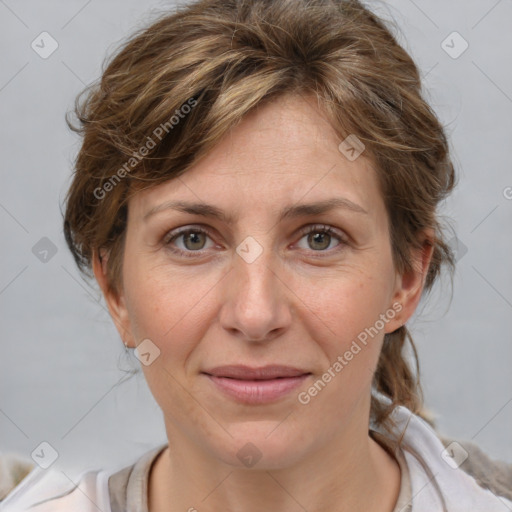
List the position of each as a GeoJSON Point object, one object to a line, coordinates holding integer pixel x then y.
{"type": "Point", "coordinates": [62, 361]}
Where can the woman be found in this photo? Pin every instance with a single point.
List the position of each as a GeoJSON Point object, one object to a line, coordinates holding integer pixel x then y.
{"type": "Point", "coordinates": [256, 197]}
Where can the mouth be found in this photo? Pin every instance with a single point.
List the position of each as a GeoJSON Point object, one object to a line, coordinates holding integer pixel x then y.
{"type": "Point", "coordinates": [256, 385]}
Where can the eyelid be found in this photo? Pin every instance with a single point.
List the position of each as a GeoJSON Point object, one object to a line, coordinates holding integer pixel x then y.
{"type": "Point", "coordinates": [325, 228]}
{"type": "Point", "coordinates": [174, 233]}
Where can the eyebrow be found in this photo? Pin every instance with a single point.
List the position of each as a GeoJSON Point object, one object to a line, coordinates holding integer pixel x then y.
{"type": "Point", "coordinates": [293, 211]}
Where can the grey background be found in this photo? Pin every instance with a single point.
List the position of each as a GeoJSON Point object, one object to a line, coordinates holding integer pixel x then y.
{"type": "Point", "coordinates": [62, 362]}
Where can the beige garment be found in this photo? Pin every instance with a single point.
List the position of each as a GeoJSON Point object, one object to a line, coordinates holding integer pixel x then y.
{"type": "Point", "coordinates": [129, 487]}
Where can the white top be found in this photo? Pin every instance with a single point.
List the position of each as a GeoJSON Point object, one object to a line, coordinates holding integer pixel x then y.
{"type": "Point", "coordinates": [431, 479]}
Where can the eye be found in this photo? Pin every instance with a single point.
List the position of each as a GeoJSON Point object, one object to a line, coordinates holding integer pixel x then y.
{"type": "Point", "coordinates": [319, 237]}
{"type": "Point", "coordinates": [193, 239]}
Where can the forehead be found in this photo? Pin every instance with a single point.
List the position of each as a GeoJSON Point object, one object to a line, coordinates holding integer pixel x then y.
{"type": "Point", "coordinates": [283, 151]}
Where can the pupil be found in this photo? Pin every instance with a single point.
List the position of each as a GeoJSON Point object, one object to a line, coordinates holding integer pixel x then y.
{"type": "Point", "coordinates": [319, 236]}
{"type": "Point", "coordinates": [194, 238]}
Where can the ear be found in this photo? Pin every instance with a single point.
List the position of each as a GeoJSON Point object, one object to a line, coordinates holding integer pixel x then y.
{"type": "Point", "coordinates": [409, 285]}
{"type": "Point", "coordinates": [114, 299]}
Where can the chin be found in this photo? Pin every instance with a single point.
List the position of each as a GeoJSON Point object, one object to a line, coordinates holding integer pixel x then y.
{"type": "Point", "coordinates": [262, 445]}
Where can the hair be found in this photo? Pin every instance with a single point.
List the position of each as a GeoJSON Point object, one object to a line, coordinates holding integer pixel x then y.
{"type": "Point", "coordinates": [222, 58]}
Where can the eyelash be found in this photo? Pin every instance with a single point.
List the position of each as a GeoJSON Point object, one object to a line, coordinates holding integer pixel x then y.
{"type": "Point", "coordinates": [317, 228]}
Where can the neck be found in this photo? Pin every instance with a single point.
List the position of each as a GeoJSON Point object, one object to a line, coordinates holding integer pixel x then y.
{"type": "Point", "coordinates": [346, 473]}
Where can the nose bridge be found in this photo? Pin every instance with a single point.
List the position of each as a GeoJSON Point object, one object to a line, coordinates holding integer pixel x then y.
{"type": "Point", "coordinates": [254, 266]}
{"type": "Point", "coordinates": [256, 304]}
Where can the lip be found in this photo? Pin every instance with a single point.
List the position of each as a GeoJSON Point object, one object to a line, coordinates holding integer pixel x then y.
{"type": "Point", "coordinates": [256, 385]}
{"type": "Point", "coordinates": [243, 372]}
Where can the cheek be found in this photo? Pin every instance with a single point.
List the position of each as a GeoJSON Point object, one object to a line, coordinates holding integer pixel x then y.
{"type": "Point", "coordinates": [345, 314]}
{"type": "Point", "coordinates": [167, 307]}
{"type": "Point", "coordinates": [345, 321]}
{"type": "Point", "coordinates": [348, 305]}
{"type": "Point", "coordinates": [171, 312]}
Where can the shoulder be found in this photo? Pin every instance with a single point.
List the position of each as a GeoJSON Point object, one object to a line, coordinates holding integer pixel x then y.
{"type": "Point", "coordinates": [455, 475]}
{"type": "Point", "coordinates": [53, 491]}
{"type": "Point", "coordinates": [495, 475]}
{"type": "Point", "coordinates": [93, 490]}
{"type": "Point", "coordinates": [13, 469]}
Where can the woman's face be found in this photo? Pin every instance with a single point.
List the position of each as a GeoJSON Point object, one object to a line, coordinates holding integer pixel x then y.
{"type": "Point", "coordinates": [251, 287]}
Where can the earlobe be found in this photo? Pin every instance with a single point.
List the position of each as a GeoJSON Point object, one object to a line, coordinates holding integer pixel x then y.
{"type": "Point", "coordinates": [114, 299]}
{"type": "Point", "coordinates": [410, 285]}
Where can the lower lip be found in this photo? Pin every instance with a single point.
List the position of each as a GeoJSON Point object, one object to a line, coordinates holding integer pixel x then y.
{"type": "Point", "coordinates": [257, 391]}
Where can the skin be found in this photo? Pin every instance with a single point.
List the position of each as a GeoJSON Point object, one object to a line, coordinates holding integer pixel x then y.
{"type": "Point", "coordinates": [301, 302]}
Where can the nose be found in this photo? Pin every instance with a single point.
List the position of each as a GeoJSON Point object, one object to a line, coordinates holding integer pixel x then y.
{"type": "Point", "coordinates": [256, 300]}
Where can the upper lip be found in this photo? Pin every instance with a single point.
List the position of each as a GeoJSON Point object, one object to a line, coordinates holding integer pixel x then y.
{"type": "Point", "coordinates": [243, 372]}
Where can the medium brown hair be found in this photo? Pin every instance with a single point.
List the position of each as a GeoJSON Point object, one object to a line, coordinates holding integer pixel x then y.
{"type": "Point", "coordinates": [225, 57]}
